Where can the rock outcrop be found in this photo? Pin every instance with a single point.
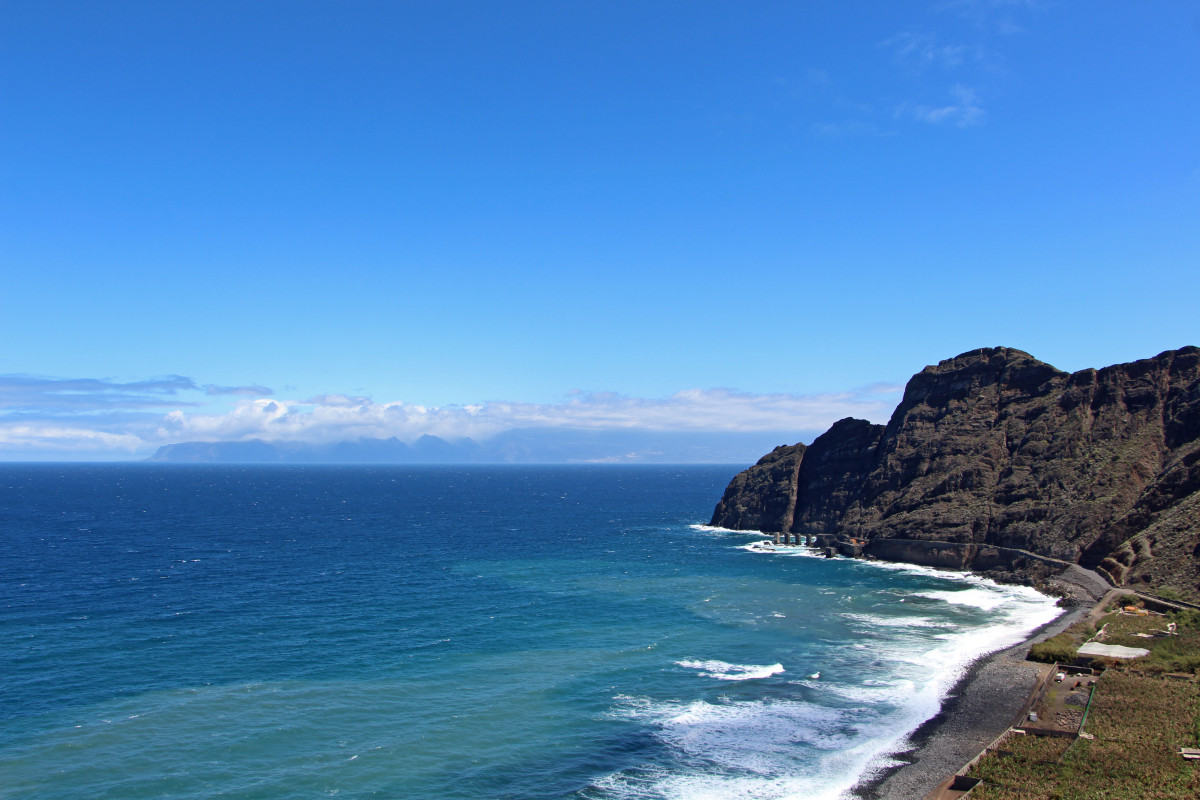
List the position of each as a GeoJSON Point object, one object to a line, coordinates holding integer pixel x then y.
{"type": "Point", "coordinates": [996, 460]}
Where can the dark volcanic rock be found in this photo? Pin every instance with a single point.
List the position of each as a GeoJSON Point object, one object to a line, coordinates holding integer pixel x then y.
{"type": "Point", "coordinates": [993, 447]}
{"type": "Point", "coordinates": [762, 498]}
{"type": "Point", "coordinates": [832, 474]}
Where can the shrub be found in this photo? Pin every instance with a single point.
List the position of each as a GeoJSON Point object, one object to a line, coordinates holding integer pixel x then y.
{"type": "Point", "coordinates": [1130, 600]}
{"type": "Point", "coordinates": [1060, 649]}
{"type": "Point", "coordinates": [1185, 618]}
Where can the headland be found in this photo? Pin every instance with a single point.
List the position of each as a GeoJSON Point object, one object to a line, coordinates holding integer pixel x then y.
{"type": "Point", "coordinates": [997, 463]}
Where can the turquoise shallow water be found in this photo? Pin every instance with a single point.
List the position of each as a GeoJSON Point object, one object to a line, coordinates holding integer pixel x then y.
{"type": "Point", "coordinates": [442, 632]}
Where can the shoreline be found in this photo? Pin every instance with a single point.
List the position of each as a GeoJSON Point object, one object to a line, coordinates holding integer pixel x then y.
{"type": "Point", "coordinates": [983, 704]}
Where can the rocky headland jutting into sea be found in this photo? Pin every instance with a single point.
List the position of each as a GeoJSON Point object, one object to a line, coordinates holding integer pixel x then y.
{"type": "Point", "coordinates": [997, 462]}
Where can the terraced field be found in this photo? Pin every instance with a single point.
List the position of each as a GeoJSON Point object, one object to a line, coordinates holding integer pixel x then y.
{"type": "Point", "coordinates": [1141, 714]}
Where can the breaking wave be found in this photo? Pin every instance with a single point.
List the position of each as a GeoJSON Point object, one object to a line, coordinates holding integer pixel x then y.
{"type": "Point", "coordinates": [724, 671]}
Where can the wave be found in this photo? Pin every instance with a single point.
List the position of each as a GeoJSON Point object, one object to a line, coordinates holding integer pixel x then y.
{"type": "Point", "coordinates": [719, 529]}
{"type": "Point", "coordinates": [783, 550]}
{"type": "Point", "coordinates": [874, 692]}
{"type": "Point", "coordinates": [897, 622]}
{"type": "Point", "coordinates": [751, 750]}
{"type": "Point", "coordinates": [866, 706]}
{"type": "Point", "coordinates": [724, 671]}
{"type": "Point", "coordinates": [979, 598]}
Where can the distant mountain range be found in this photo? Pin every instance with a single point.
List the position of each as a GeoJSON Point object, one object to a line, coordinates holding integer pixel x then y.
{"type": "Point", "coordinates": [522, 446]}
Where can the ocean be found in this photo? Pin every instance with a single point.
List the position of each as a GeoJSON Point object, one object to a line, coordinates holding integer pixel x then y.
{"type": "Point", "coordinates": [452, 632]}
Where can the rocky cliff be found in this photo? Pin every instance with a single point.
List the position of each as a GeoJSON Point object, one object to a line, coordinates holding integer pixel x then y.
{"type": "Point", "coordinates": [995, 452]}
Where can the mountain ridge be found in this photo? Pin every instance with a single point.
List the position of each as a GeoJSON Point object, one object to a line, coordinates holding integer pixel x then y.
{"type": "Point", "coordinates": [515, 446]}
{"type": "Point", "coordinates": [996, 449]}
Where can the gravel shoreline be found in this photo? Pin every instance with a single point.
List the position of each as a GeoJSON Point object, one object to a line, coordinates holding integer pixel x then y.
{"type": "Point", "coordinates": [982, 705]}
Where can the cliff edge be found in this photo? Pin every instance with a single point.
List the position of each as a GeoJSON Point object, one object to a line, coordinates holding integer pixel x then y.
{"type": "Point", "coordinates": [999, 462]}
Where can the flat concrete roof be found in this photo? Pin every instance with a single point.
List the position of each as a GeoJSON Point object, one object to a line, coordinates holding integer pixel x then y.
{"type": "Point", "coordinates": [1112, 651]}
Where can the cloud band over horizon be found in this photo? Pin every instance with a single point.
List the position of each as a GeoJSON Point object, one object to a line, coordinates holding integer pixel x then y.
{"type": "Point", "coordinates": [96, 419]}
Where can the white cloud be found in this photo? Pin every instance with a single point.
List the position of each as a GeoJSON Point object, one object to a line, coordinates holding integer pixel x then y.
{"type": "Point", "coordinates": [57, 439]}
{"type": "Point", "coordinates": [244, 391]}
{"type": "Point", "coordinates": [85, 395]}
{"type": "Point", "coordinates": [922, 50]}
{"type": "Point", "coordinates": [965, 112]}
{"type": "Point", "coordinates": [124, 432]}
{"type": "Point", "coordinates": [332, 418]}
{"type": "Point", "coordinates": [997, 15]}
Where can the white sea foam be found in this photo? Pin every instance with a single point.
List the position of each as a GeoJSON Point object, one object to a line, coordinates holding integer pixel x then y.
{"type": "Point", "coordinates": [896, 622]}
{"type": "Point", "coordinates": [822, 740]}
{"type": "Point", "coordinates": [874, 692]}
{"type": "Point", "coordinates": [719, 529]}
{"type": "Point", "coordinates": [979, 598]}
{"type": "Point", "coordinates": [781, 549]}
{"type": "Point", "coordinates": [939, 662]}
{"type": "Point", "coordinates": [724, 671]}
{"type": "Point", "coordinates": [921, 667]}
{"type": "Point", "coordinates": [755, 750]}
{"type": "Point", "coordinates": [919, 569]}
{"type": "Point", "coordinates": [784, 550]}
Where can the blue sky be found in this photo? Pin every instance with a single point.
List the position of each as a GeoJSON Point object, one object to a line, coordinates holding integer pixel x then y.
{"type": "Point", "coordinates": [314, 221]}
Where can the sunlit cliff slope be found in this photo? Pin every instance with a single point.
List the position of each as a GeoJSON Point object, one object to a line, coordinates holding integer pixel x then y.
{"type": "Point", "coordinates": [995, 452]}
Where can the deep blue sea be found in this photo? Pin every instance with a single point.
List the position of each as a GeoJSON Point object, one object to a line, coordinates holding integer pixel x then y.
{"type": "Point", "coordinates": [523, 633]}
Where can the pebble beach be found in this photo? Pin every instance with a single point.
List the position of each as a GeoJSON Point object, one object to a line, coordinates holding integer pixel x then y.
{"type": "Point", "coordinates": [983, 704]}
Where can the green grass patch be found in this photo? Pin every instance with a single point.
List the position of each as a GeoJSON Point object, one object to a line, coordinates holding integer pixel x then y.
{"type": "Point", "coordinates": [1178, 653]}
{"type": "Point", "coordinates": [1057, 649]}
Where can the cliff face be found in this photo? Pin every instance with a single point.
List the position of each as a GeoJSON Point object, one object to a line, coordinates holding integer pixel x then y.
{"type": "Point", "coordinates": [993, 447]}
{"type": "Point", "coordinates": [763, 498]}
